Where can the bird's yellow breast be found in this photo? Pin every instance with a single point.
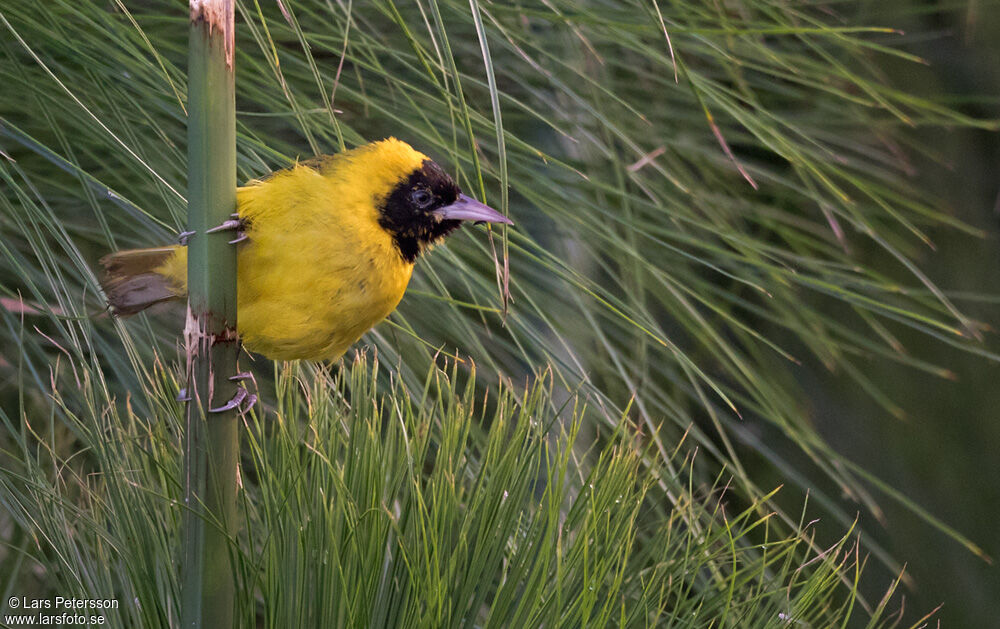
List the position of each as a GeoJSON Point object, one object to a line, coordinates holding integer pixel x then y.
{"type": "Point", "coordinates": [317, 270]}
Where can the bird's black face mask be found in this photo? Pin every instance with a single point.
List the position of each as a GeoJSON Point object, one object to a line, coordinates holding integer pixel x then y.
{"type": "Point", "coordinates": [427, 206]}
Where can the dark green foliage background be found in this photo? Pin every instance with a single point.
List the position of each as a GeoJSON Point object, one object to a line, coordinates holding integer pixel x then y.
{"type": "Point", "coordinates": [944, 453]}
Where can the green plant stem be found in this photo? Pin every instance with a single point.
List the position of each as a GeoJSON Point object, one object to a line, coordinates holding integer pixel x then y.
{"type": "Point", "coordinates": [211, 442]}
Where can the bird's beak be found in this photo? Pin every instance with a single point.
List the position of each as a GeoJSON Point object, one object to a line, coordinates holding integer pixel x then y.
{"type": "Point", "coordinates": [468, 209]}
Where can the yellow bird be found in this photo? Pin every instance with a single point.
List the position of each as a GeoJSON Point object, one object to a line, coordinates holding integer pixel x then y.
{"type": "Point", "coordinates": [326, 249]}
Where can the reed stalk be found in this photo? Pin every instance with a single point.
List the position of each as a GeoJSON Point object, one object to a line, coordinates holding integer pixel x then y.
{"type": "Point", "coordinates": [211, 441]}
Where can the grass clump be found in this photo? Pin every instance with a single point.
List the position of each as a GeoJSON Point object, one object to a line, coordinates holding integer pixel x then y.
{"type": "Point", "coordinates": [369, 504]}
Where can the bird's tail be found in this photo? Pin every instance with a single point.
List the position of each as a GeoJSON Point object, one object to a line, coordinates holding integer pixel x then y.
{"type": "Point", "coordinates": [136, 279]}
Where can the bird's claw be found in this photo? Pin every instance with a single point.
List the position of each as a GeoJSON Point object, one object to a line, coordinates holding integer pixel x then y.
{"type": "Point", "coordinates": [242, 400]}
{"type": "Point", "coordinates": [227, 225]}
{"type": "Point", "coordinates": [251, 401]}
{"type": "Point", "coordinates": [234, 223]}
{"type": "Point", "coordinates": [235, 402]}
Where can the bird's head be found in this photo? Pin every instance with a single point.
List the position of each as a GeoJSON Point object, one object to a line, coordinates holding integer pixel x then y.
{"type": "Point", "coordinates": [417, 202]}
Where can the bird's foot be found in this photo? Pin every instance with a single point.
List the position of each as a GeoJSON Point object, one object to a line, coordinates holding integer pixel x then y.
{"type": "Point", "coordinates": [236, 224]}
{"type": "Point", "coordinates": [243, 400]}
{"type": "Point", "coordinates": [234, 402]}
{"type": "Point", "coordinates": [233, 223]}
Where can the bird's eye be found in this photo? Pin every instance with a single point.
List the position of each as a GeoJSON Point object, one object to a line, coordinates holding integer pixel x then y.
{"type": "Point", "coordinates": [421, 198]}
